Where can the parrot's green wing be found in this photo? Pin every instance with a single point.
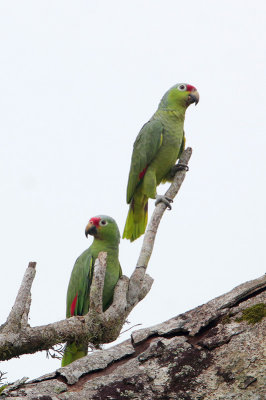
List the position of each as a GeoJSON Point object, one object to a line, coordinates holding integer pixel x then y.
{"type": "Point", "coordinates": [145, 149]}
{"type": "Point", "coordinates": [79, 285]}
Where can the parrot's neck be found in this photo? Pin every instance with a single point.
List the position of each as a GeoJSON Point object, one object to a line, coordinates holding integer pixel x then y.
{"type": "Point", "coordinates": [104, 245]}
{"type": "Point", "coordinates": [172, 114]}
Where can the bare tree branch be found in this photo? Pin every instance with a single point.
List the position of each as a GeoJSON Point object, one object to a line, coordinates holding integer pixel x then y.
{"type": "Point", "coordinates": [19, 314]}
{"type": "Point", "coordinates": [149, 238]}
{"type": "Point", "coordinates": [17, 337]}
{"type": "Point", "coordinates": [96, 289]}
{"type": "Point", "coordinates": [151, 231]}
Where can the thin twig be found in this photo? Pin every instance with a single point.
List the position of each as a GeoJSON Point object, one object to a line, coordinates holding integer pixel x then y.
{"type": "Point", "coordinates": [2, 377]}
{"type": "Point", "coordinates": [129, 329]}
{"type": "Point", "coordinates": [58, 352]}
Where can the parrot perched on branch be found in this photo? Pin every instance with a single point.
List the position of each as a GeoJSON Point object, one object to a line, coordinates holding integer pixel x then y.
{"type": "Point", "coordinates": [106, 238]}
{"type": "Point", "coordinates": [156, 149]}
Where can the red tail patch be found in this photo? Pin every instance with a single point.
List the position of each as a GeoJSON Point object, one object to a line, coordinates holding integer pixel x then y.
{"type": "Point", "coordinates": [73, 305]}
{"type": "Point", "coordinates": [143, 172]}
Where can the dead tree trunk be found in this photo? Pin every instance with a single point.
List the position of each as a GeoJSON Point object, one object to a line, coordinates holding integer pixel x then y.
{"type": "Point", "coordinates": [214, 352]}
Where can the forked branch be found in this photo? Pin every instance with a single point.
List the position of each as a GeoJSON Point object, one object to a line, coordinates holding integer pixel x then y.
{"type": "Point", "coordinates": [17, 337]}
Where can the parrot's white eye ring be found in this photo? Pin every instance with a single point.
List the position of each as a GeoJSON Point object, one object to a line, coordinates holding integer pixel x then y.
{"type": "Point", "coordinates": [182, 87]}
{"type": "Point", "coordinates": [103, 222]}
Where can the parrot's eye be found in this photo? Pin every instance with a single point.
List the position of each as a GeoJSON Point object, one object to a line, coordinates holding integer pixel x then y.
{"type": "Point", "coordinates": [103, 222]}
{"type": "Point", "coordinates": [182, 87]}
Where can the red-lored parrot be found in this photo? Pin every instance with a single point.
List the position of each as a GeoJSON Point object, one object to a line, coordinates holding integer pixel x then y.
{"type": "Point", "coordinates": [106, 238]}
{"type": "Point", "coordinates": [156, 149]}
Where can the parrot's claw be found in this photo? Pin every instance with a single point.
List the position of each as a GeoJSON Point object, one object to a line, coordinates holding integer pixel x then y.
{"type": "Point", "coordinates": [164, 199]}
{"type": "Point", "coordinates": [179, 167]}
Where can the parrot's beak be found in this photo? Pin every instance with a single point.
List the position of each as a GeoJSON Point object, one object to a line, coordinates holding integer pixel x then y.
{"type": "Point", "coordinates": [193, 97]}
{"type": "Point", "coordinates": [90, 229]}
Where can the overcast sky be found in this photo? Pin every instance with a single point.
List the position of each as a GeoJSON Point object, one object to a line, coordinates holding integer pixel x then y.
{"type": "Point", "coordinates": [78, 79]}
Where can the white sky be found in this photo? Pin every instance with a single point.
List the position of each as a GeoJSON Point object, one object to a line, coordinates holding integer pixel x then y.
{"type": "Point", "coordinates": [78, 79]}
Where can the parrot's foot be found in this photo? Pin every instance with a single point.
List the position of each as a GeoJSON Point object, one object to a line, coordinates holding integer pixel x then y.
{"type": "Point", "coordinates": [164, 199]}
{"type": "Point", "coordinates": [179, 167]}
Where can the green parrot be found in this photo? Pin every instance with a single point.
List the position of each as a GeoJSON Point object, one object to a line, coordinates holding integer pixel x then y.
{"type": "Point", "coordinates": [156, 149]}
{"type": "Point", "coordinates": [106, 238]}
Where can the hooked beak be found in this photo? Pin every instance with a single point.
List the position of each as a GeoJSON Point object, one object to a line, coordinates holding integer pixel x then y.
{"type": "Point", "coordinates": [90, 229]}
{"type": "Point", "coordinates": [193, 97]}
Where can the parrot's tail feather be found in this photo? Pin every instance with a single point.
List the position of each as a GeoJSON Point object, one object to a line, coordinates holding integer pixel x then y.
{"type": "Point", "coordinates": [136, 222]}
{"type": "Point", "coordinates": [73, 352]}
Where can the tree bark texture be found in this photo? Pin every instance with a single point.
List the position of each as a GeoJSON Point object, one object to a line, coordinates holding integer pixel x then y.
{"type": "Point", "coordinates": [213, 352]}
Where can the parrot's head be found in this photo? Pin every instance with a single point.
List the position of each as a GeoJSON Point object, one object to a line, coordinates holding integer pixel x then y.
{"type": "Point", "coordinates": [180, 95]}
{"type": "Point", "coordinates": [103, 227]}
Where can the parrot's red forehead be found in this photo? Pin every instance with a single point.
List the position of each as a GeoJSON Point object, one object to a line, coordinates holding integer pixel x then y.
{"type": "Point", "coordinates": [95, 221]}
{"type": "Point", "coordinates": [190, 88]}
